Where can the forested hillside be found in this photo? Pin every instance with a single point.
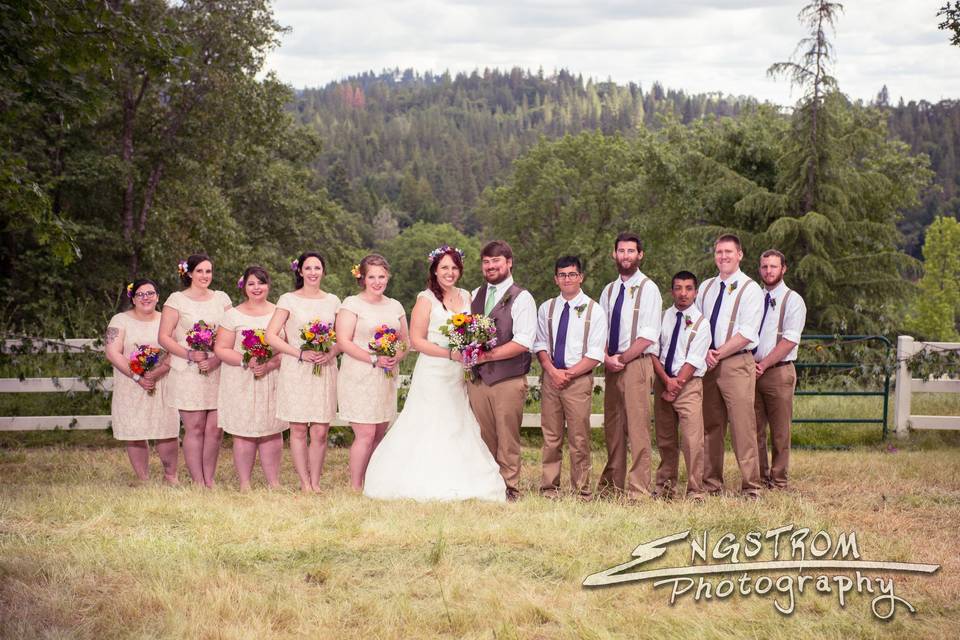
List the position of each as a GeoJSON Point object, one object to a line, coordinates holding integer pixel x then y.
{"type": "Point", "coordinates": [411, 146]}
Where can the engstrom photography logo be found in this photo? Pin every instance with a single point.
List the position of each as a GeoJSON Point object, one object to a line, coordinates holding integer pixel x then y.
{"type": "Point", "coordinates": [803, 561]}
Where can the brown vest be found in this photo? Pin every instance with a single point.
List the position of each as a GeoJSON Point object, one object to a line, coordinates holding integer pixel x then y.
{"type": "Point", "coordinates": [493, 372]}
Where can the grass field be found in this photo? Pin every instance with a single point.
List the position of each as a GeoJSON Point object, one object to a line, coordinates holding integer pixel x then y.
{"type": "Point", "coordinates": [87, 553]}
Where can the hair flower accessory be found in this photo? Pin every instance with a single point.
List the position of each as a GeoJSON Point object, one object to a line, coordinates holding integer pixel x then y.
{"type": "Point", "coordinates": [182, 268]}
{"type": "Point", "coordinates": [355, 270]}
{"type": "Point", "coordinates": [295, 265]}
{"type": "Point", "coordinates": [130, 290]}
{"type": "Point", "coordinates": [442, 249]}
{"type": "Point", "coordinates": [240, 283]}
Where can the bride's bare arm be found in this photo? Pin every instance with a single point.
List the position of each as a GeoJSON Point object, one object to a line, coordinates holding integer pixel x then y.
{"type": "Point", "coordinates": [419, 325]}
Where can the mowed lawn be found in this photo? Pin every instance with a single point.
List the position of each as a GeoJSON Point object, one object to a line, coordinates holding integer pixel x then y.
{"type": "Point", "coordinates": [87, 553]}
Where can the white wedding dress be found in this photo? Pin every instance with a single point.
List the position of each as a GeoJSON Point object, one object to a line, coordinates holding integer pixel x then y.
{"type": "Point", "coordinates": [434, 451]}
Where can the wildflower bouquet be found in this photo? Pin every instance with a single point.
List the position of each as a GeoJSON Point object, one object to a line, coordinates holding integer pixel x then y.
{"type": "Point", "coordinates": [386, 342]}
{"type": "Point", "coordinates": [144, 359]}
{"type": "Point", "coordinates": [200, 338]}
{"type": "Point", "coordinates": [255, 346]}
{"type": "Point", "coordinates": [317, 336]}
{"type": "Point", "coordinates": [471, 334]}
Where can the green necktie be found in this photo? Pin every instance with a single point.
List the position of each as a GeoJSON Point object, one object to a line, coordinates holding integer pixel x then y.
{"type": "Point", "coordinates": [488, 303]}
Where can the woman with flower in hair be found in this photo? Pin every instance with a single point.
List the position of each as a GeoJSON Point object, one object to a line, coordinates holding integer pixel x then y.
{"type": "Point", "coordinates": [138, 408]}
{"type": "Point", "coordinates": [307, 383]}
{"type": "Point", "coordinates": [367, 389]}
{"type": "Point", "coordinates": [247, 407]}
{"type": "Point", "coordinates": [194, 368]}
{"type": "Point", "coordinates": [434, 450]}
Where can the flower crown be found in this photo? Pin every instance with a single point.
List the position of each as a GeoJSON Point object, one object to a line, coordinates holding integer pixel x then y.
{"type": "Point", "coordinates": [130, 290]}
{"type": "Point", "coordinates": [182, 268]}
{"type": "Point", "coordinates": [355, 270]}
{"type": "Point", "coordinates": [441, 250]}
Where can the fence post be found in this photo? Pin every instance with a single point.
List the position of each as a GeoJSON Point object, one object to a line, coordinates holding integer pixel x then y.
{"type": "Point", "coordinates": [905, 349]}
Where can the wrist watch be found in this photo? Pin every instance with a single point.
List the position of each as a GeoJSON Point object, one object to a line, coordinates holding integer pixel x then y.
{"type": "Point", "coordinates": [373, 360]}
{"type": "Point", "coordinates": [136, 377]}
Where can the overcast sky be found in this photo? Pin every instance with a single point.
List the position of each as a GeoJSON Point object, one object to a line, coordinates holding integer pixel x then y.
{"type": "Point", "coordinates": [694, 45]}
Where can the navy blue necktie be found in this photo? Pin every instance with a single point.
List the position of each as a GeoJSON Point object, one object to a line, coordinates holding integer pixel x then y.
{"type": "Point", "coordinates": [614, 344]}
{"type": "Point", "coordinates": [766, 306]}
{"type": "Point", "coordinates": [560, 347]}
{"type": "Point", "coordinates": [673, 345]}
{"type": "Point", "coordinates": [716, 314]}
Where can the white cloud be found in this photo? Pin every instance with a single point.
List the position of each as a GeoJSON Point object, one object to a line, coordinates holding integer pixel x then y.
{"type": "Point", "coordinates": [695, 45]}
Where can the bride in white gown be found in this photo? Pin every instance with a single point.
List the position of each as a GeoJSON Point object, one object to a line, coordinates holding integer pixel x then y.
{"type": "Point", "coordinates": [433, 451]}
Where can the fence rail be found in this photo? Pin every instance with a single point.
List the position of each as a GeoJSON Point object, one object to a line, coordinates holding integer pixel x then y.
{"type": "Point", "coordinates": [907, 385]}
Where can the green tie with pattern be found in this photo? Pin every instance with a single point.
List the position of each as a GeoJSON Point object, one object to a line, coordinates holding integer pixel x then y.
{"type": "Point", "coordinates": [488, 303]}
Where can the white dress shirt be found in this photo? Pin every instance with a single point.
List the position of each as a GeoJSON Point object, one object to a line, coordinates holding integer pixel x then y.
{"type": "Point", "coordinates": [596, 339]}
{"type": "Point", "coordinates": [523, 311]}
{"type": "Point", "coordinates": [747, 322]}
{"type": "Point", "coordinates": [794, 318]}
{"type": "Point", "coordinates": [697, 356]}
{"type": "Point", "coordinates": [651, 305]}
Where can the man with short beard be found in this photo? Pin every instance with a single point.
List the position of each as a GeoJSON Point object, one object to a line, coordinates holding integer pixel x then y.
{"type": "Point", "coordinates": [632, 305]}
{"type": "Point", "coordinates": [733, 303]}
{"type": "Point", "coordinates": [784, 314]}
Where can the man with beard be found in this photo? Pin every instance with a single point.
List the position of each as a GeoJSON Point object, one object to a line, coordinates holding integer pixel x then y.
{"type": "Point", "coordinates": [632, 305]}
{"type": "Point", "coordinates": [733, 303]}
{"type": "Point", "coordinates": [784, 314]}
{"type": "Point", "coordinates": [498, 394]}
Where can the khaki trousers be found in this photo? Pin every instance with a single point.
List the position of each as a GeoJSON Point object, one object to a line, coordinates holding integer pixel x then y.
{"type": "Point", "coordinates": [728, 393]}
{"type": "Point", "coordinates": [626, 420]}
{"type": "Point", "coordinates": [499, 410]}
{"type": "Point", "coordinates": [774, 406]}
{"type": "Point", "coordinates": [571, 405]}
{"type": "Point", "coordinates": [684, 418]}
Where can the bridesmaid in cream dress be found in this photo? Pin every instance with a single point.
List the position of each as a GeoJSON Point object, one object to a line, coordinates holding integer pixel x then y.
{"type": "Point", "coordinates": [366, 395]}
{"type": "Point", "coordinates": [193, 393]}
{"type": "Point", "coordinates": [247, 404]}
{"type": "Point", "coordinates": [136, 414]}
{"type": "Point", "coordinates": [305, 400]}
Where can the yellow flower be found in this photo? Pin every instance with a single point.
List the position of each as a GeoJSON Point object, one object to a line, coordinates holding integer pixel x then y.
{"type": "Point", "coordinates": [459, 319]}
{"type": "Point", "coordinates": [309, 335]}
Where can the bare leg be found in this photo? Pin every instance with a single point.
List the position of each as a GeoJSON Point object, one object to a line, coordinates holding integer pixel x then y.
{"type": "Point", "coordinates": [317, 453]}
{"type": "Point", "coordinates": [365, 436]}
{"type": "Point", "coordinates": [271, 455]}
{"type": "Point", "coordinates": [298, 451]}
{"type": "Point", "coordinates": [194, 423]}
{"type": "Point", "coordinates": [169, 451]}
{"type": "Point", "coordinates": [244, 455]}
{"type": "Point", "coordinates": [381, 432]}
{"type": "Point", "coordinates": [212, 437]}
{"type": "Point", "coordinates": [139, 453]}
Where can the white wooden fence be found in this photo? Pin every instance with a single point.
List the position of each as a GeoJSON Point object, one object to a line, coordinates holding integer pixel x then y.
{"type": "Point", "coordinates": [907, 385]}
{"type": "Point", "coordinates": [64, 385]}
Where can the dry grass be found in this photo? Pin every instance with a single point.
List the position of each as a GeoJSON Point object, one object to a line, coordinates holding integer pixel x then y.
{"type": "Point", "coordinates": [86, 553]}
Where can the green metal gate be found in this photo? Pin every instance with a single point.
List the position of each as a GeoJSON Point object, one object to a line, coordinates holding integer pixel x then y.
{"type": "Point", "coordinates": [885, 393]}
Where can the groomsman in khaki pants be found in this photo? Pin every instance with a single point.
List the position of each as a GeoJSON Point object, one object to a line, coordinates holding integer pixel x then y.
{"type": "Point", "coordinates": [784, 314]}
{"type": "Point", "coordinates": [678, 390]}
{"type": "Point", "coordinates": [571, 336]}
{"type": "Point", "coordinates": [733, 303]}
{"type": "Point", "coordinates": [633, 306]}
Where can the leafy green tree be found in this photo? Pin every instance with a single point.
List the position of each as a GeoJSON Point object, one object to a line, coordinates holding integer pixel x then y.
{"type": "Point", "coordinates": [951, 21]}
{"type": "Point", "coordinates": [936, 313]}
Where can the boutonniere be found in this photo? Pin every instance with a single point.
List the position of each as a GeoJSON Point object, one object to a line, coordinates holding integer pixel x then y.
{"type": "Point", "coordinates": [773, 303]}
{"type": "Point", "coordinates": [732, 287]}
{"type": "Point", "coordinates": [687, 321]}
{"type": "Point", "coordinates": [633, 290]}
{"type": "Point", "coordinates": [504, 300]}
{"type": "Point", "coordinates": [580, 309]}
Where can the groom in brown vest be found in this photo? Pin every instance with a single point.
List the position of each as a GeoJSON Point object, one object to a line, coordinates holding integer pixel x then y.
{"type": "Point", "coordinates": [497, 395]}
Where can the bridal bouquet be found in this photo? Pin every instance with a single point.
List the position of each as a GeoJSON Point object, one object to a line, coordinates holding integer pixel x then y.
{"type": "Point", "coordinates": [471, 334]}
{"type": "Point", "coordinates": [255, 346]}
{"type": "Point", "coordinates": [386, 342]}
{"type": "Point", "coordinates": [144, 359]}
{"type": "Point", "coordinates": [200, 338]}
{"type": "Point", "coordinates": [317, 336]}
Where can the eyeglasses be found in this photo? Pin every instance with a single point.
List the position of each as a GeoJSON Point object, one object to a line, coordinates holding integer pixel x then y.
{"type": "Point", "coordinates": [568, 276]}
{"type": "Point", "coordinates": [145, 295]}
